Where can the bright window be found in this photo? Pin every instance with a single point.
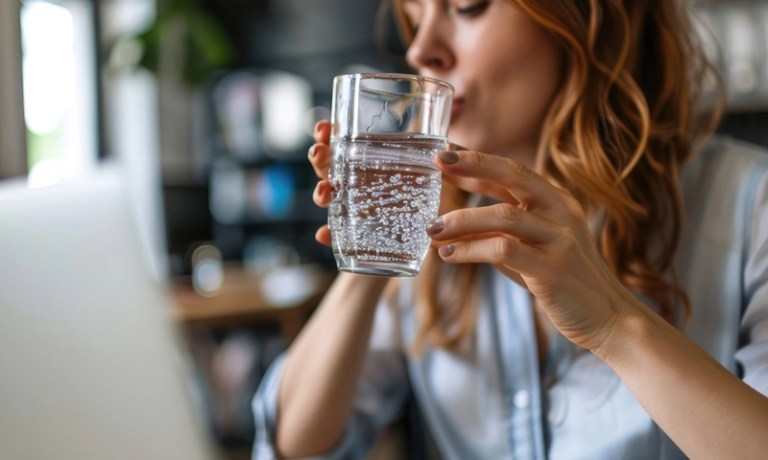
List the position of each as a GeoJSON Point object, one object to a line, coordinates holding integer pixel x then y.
{"type": "Point", "coordinates": [60, 88]}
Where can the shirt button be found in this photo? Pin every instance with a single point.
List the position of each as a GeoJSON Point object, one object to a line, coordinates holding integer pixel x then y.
{"type": "Point", "coordinates": [522, 399]}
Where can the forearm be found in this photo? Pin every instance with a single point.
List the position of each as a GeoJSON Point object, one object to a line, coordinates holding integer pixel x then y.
{"type": "Point", "coordinates": [323, 366]}
{"type": "Point", "coordinates": [707, 411]}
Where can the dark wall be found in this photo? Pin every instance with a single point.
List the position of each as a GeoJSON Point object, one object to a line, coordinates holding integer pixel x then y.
{"type": "Point", "coordinates": [314, 40]}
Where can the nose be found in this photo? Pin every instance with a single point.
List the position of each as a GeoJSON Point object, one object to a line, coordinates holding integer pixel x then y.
{"type": "Point", "coordinates": [430, 52]}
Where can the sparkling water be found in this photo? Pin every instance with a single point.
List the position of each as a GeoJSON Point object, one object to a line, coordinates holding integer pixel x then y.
{"type": "Point", "coordinates": [386, 191]}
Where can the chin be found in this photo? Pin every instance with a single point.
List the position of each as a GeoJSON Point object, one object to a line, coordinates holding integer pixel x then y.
{"type": "Point", "coordinates": [469, 142]}
{"type": "Point", "coordinates": [470, 134]}
{"type": "Point", "coordinates": [479, 140]}
{"type": "Point", "coordinates": [460, 137]}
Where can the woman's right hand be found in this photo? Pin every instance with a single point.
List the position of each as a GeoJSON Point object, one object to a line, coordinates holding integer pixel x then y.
{"type": "Point", "coordinates": [320, 158]}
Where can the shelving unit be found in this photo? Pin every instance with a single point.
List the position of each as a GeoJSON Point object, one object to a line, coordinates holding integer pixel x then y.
{"type": "Point", "coordinates": [257, 118]}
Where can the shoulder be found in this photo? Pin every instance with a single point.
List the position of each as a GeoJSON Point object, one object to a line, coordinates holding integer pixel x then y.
{"type": "Point", "coordinates": [730, 156]}
{"type": "Point", "coordinates": [725, 191]}
{"type": "Point", "coordinates": [726, 213]}
{"type": "Point", "coordinates": [726, 167]}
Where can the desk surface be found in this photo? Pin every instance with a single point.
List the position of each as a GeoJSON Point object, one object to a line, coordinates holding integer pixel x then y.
{"type": "Point", "coordinates": [286, 296]}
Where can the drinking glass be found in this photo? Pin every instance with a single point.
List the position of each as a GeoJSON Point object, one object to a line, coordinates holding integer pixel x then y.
{"type": "Point", "coordinates": [386, 130]}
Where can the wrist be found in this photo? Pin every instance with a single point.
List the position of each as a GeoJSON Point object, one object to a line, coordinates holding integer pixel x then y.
{"type": "Point", "coordinates": [366, 283]}
{"type": "Point", "coordinates": [350, 289]}
{"type": "Point", "coordinates": [629, 331]}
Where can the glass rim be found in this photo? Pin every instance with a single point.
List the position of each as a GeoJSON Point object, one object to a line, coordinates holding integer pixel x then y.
{"type": "Point", "coordinates": [395, 76]}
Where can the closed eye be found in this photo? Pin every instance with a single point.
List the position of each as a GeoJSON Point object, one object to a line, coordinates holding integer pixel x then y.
{"type": "Point", "coordinates": [474, 9]}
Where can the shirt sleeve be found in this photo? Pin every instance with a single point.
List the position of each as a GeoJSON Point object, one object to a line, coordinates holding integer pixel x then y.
{"type": "Point", "coordinates": [753, 353]}
{"type": "Point", "coordinates": [380, 398]}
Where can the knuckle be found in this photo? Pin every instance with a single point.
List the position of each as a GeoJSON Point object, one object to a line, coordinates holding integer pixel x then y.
{"type": "Point", "coordinates": [573, 209]}
{"type": "Point", "coordinates": [569, 240]}
{"type": "Point", "coordinates": [475, 158]}
{"type": "Point", "coordinates": [321, 152]}
{"type": "Point", "coordinates": [503, 248]}
{"type": "Point", "coordinates": [320, 195]}
{"type": "Point", "coordinates": [316, 194]}
{"type": "Point", "coordinates": [520, 168]}
{"type": "Point", "coordinates": [508, 212]}
{"type": "Point", "coordinates": [456, 219]}
{"type": "Point", "coordinates": [321, 128]}
{"type": "Point", "coordinates": [569, 234]}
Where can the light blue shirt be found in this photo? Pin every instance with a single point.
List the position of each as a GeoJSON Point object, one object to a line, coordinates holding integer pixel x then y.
{"type": "Point", "coordinates": [491, 401]}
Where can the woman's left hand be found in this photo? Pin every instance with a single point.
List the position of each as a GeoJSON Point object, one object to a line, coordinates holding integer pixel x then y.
{"type": "Point", "coordinates": [536, 234]}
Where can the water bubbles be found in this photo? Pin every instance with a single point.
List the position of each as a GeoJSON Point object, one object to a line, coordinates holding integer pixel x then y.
{"type": "Point", "coordinates": [389, 202]}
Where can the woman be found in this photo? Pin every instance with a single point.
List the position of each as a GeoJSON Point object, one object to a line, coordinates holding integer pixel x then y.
{"type": "Point", "coordinates": [591, 267]}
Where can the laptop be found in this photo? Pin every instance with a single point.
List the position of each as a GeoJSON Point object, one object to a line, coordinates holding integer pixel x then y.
{"type": "Point", "coordinates": [91, 365]}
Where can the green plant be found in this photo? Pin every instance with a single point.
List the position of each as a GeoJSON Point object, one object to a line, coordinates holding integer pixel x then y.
{"type": "Point", "coordinates": [205, 46]}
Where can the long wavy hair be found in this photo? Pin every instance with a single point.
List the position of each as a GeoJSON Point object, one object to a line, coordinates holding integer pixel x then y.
{"type": "Point", "coordinates": [625, 120]}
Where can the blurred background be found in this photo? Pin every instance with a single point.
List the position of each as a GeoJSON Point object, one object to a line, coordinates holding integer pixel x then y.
{"type": "Point", "coordinates": [208, 108]}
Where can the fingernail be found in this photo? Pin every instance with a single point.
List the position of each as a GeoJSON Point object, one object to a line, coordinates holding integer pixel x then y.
{"type": "Point", "coordinates": [437, 226]}
{"type": "Point", "coordinates": [312, 152]}
{"type": "Point", "coordinates": [449, 157]}
{"type": "Point", "coordinates": [446, 251]}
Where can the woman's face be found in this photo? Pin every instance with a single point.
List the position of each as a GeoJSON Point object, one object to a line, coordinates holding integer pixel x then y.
{"type": "Point", "coordinates": [504, 68]}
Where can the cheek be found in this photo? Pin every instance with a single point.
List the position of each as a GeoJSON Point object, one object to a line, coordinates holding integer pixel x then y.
{"type": "Point", "coordinates": [527, 85]}
{"type": "Point", "coordinates": [515, 84]}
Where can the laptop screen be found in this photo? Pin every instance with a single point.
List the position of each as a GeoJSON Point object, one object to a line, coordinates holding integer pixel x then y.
{"type": "Point", "coordinates": [91, 365]}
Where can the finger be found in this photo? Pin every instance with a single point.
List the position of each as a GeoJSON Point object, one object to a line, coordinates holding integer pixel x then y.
{"type": "Point", "coordinates": [520, 181]}
{"type": "Point", "coordinates": [323, 235]}
{"type": "Point", "coordinates": [502, 218]}
{"type": "Point", "coordinates": [322, 194]}
{"type": "Point", "coordinates": [481, 187]}
{"type": "Point", "coordinates": [510, 273]}
{"type": "Point", "coordinates": [504, 252]}
{"type": "Point", "coordinates": [320, 157]}
{"type": "Point", "coordinates": [323, 132]}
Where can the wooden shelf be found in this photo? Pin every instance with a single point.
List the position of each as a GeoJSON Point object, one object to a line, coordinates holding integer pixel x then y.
{"type": "Point", "coordinates": [285, 296]}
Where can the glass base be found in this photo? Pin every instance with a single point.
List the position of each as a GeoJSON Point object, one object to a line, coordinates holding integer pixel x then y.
{"type": "Point", "coordinates": [380, 268]}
